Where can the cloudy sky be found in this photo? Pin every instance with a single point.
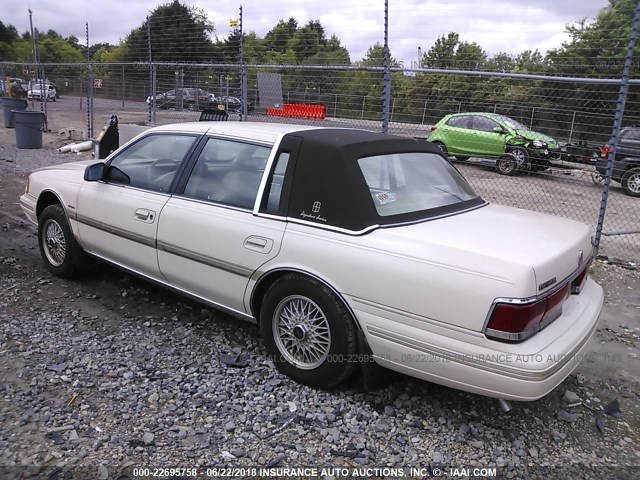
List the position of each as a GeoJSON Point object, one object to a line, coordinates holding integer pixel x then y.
{"type": "Point", "coordinates": [497, 25]}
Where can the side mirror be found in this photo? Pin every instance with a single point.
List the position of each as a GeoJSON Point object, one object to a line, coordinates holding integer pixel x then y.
{"type": "Point", "coordinates": [94, 172]}
{"type": "Point", "coordinates": [499, 129]}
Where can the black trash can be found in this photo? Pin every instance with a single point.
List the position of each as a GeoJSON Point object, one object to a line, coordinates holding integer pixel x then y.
{"type": "Point", "coordinates": [10, 104]}
{"type": "Point", "coordinates": [28, 126]}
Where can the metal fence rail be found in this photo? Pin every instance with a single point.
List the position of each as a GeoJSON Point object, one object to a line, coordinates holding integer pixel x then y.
{"type": "Point", "coordinates": [576, 112]}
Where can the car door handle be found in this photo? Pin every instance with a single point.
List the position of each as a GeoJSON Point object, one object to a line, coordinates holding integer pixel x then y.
{"type": "Point", "coordinates": [144, 215]}
{"type": "Point", "coordinates": [258, 244]}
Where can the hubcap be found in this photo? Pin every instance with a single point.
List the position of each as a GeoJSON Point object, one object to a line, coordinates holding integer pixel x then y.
{"type": "Point", "coordinates": [301, 332]}
{"type": "Point", "coordinates": [55, 247]}
{"type": "Point", "coordinates": [634, 183]}
{"type": "Point", "coordinates": [505, 165]}
{"type": "Point", "coordinates": [520, 156]}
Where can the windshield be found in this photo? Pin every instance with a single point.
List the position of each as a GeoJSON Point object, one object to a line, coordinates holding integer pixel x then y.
{"type": "Point", "coordinates": [511, 122]}
{"type": "Point", "coordinates": [402, 183]}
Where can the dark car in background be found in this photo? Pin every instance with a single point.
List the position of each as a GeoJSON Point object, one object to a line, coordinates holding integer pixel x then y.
{"type": "Point", "coordinates": [478, 134]}
{"type": "Point", "coordinates": [232, 104]}
{"type": "Point", "coordinates": [626, 164]}
{"type": "Point", "coordinates": [183, 98]}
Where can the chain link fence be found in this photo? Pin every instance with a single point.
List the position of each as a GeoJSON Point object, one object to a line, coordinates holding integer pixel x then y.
{"type": "Point", "coordinates": [532, 141]}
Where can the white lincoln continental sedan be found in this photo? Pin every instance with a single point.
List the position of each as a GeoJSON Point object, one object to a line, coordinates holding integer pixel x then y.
{"type": "Point", "coordinates": [345, 246]}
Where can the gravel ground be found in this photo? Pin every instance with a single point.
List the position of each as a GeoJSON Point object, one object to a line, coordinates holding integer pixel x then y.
{"type": "Point", "coordinates": [107, 372]}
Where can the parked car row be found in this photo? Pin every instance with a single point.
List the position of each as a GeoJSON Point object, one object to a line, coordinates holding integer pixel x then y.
{"type": "Point", "coordinates": [347, 247]}
{"type": "Point", "coordinates": [196, 99]}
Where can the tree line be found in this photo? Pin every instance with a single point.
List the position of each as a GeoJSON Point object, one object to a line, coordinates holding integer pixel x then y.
{"type": "Point", "coordinates": [181, 33]}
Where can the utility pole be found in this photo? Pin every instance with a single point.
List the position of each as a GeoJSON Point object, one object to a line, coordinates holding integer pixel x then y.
{"type": "Point", "coordinates": [386, 87]}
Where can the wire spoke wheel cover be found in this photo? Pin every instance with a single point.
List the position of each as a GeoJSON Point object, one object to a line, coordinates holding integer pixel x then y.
{"type": "Point", "coordinates": [301, 332]}
{"type": "Point", "coordinates": [55, 247]}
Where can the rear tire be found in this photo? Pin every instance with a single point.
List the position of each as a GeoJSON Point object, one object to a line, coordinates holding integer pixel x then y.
{"type": "Point", "coordinates": [507, 165]}
{"type": "Point", "coordinates": [308, 331]}
{"type": "Point", "coordinates": [630, 182]}
{"type": "Point", "coordinates": [58, 247]}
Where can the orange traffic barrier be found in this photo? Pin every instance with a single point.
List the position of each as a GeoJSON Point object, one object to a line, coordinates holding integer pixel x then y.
{"type": "Point", "coordinates": [298, 110]}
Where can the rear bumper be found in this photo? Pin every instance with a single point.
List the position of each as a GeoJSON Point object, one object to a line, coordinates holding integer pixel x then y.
{"type": "Point", "coordinates": [521, 372]}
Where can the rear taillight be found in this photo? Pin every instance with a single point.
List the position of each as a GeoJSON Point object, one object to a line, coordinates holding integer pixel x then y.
{"type": "Point", "coordinates": [604, 153]}
{"type": "Point", "coordinates": [515, 322]}
{"type": "Point", "coordinates": [578, 282]}
{"type": "Point", "coordinates": [433, 129]}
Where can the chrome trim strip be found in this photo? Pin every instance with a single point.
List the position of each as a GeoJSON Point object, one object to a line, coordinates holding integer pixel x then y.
{"type": "Point", "coordinates": [187, 293]}
{"type": "Point", "coordinates": [119, 232]}
{"type": "Point", "coordinates": [211, 203]}
{"type": "Point", "coordinates": [413, 316]}
{"type": "Point", "coordinates": [265, 174]}
{"type": "Point", "coordinates": [472, 360]}
{"type": "Point", "coordinates": [259, 277]}
{"type": "Point", "coordinates": [334, 229]}
{"type": "Point", "coordinates": [428, 219]}
{"type": "Point", "coordinates": [205, 259]}
{"type": "Point", "coordinates": [376, 226]}
{"type": "Point", "coordinates": [27, 206]}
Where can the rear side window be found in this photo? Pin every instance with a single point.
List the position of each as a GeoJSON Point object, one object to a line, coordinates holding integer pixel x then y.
{"type": "Point", "coordinates": [228, 172]}
{"type": "Point", "coordinates": [484, 124]}
{"type": "Point", "coordinates": [460, 122]}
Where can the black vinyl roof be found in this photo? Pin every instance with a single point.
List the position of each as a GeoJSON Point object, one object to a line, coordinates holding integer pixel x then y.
{"type": "Point", "coordinates": [329, 188]}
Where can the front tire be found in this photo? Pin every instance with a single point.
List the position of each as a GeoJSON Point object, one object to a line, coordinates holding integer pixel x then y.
{"type": "Point", "coordinates": [630, 182]}
{"type": "Point", "coordinates": [520, 154]}
{"type": "Point", "coordinates": [58, 247]}
{"type": "Point", "coordinates": [308, 331]}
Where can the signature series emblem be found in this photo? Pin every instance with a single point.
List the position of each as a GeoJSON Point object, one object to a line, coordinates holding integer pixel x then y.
{"type": "Point", "coordinates": [316, 207]}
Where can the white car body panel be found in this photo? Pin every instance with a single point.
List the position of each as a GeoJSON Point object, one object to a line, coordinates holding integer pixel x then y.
{"type": "Point", "coordinates": [125, 232]}
{"type": "Point", "coordinates": [211, 251]}
{"type": "Point", "coordinates": [420, 293]}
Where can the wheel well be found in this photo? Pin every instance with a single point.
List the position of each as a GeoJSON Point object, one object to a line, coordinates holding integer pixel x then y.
{"type": "Point", "coordinates": [266, 281]}
{"type": "Point", "coordinates": [45, 200]}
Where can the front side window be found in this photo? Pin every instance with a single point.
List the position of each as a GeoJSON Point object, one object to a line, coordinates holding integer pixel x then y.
{"type": "Point", "coordinates": [404, 183]}
{"type": "Point", "coordinates": [151, 163]}
{"type": "Point", "coordinates": [484, 124]}
{"type": "Point", "coordinates": [228, 172]}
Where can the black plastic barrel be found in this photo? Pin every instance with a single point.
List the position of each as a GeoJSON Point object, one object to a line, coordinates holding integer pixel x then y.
{"type": "Point", "coordinates": [28, 126]}
{"type": "Point", "coordinates": [10, 104]}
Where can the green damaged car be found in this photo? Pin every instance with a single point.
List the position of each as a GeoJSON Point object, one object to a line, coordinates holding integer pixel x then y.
{"type": "Point", "coordinates": [476, 134]}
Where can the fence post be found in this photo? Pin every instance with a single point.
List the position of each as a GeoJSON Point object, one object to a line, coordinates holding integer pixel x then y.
{"type": "Point", "coordinates": [573, 122]}
{"type": "Point", "coordinates": [424, 112]}
{"type": "Point", "coordinates": [89, 89]}
{"type": "Point", "coordinates": [386, 83]}
{"type": "Point", "coordinates": [243, 76]}
{"type": "Point", "coordinates": [617, 124]}
{"type": "Point", "coordinates": [123, 86]}
{"type": "Point", "coordinates": [364, 99]}
{"type": "Point", "coordinates": [533, 111]}
{"type": "Point", "coordinates": [335, 106]}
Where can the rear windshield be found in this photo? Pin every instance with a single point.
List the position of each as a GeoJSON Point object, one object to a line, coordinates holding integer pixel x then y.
{"type": "Point", "coordinates": [403, 183]}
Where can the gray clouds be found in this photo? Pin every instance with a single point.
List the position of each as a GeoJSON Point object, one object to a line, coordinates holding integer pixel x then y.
{"type": "Point", "coordinates": [511, 26]}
